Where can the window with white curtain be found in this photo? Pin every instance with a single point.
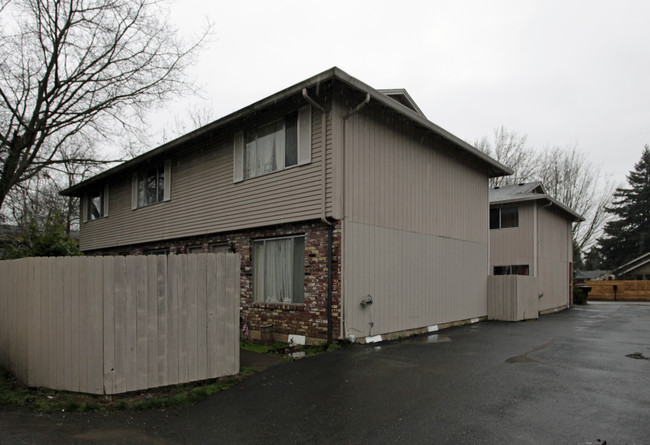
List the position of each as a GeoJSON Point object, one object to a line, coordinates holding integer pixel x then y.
{"type": "Point", "coordinates": [271, 147]}
{"type": "Point", "coordinates": [279, 270]}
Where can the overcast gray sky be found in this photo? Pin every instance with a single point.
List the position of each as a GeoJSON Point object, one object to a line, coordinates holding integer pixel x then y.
{"type": "Point", "coordinates": [562, 72]}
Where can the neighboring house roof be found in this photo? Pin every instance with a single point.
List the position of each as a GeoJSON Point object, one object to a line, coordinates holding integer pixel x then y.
{"type": "Point", "coordinates": [588, 275]}
{"type": "Point", "coordinates": [395, 100]}
{"type": "Point", "coordinates": [530, 191]}
{"type": "Point", "coordinates": [631, 266]}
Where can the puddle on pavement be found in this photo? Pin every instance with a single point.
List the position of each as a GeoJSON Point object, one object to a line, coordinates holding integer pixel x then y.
{"type": "Point", "coordinates": [521, 359]}
{"type": "Point", "coordinates": [437, 338]}
{"type": "Point", "coordinates": [433, 338]}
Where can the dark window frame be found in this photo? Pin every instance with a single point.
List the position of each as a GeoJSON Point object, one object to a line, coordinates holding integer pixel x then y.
{"type": "Point", "coordinates": [163, 251]}
{"type": "Point", "coordinates": [516, 269]}
{"type": "Point", "coordinates": [154, 175]}
{"type": "Point", "coordinates": [95, 205]}
{"type": "Point", "coordinates": [500, 221]}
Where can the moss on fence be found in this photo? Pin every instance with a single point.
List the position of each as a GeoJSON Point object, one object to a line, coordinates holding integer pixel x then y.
{"type": "Point", "coordinates": [14, 395]}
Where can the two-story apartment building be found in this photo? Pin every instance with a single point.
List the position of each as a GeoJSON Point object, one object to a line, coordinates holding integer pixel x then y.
{"type": "Point", "coordinates": [530, 234]}
{"type": "Point", "coordinates": [354, 215]}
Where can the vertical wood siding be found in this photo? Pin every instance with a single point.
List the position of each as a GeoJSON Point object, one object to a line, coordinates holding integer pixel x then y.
{"type": "Point", "coordinates": [415, 279]}
{"type": "Point", "coordinates": [205, 199]}
{"type": "Point", "coordinates": [402, 180]}
{"type": "Point", "coordinates": [107, 325]}
{"type": "Point", "coordinates": [415, 229]}
{"type": "Point", "coordinates": [555, 252]}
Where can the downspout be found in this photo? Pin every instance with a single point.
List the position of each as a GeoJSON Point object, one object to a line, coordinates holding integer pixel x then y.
{"type": "Point", "coordinates": [323, 179]}
{"type": "Point", "coordinates": [343, 149]}
{"type": "Point", "coordinates": [323, 213]}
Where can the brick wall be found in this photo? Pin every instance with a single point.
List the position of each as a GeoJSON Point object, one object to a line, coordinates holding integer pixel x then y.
{"type": "Point", "coordinates": [308, 319]}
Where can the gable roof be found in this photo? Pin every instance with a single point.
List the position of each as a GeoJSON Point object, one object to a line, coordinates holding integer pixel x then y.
{"type": "Point", "coordinates": [631, 266]}
{"type": "Point", "coordinates": [530, 191]}
{"type": "Point", "coordinates": [494, 167]}
{"type": "Point", "coordinates": [403, 97]}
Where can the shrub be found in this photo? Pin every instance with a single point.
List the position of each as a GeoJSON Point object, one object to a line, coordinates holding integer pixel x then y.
{"type": "Point", "coordinates": [579, 295]}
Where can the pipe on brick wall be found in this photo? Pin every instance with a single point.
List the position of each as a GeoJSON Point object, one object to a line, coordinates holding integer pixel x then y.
{"type": "Point", "coordinates": [323, 214]}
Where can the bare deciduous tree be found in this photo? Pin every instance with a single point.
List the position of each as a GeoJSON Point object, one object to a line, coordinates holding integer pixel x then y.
{"type": "Point", "coordinates": [195, 116]}
{"type": "Point", "coordinates": [512, 150]}
{"type": "Point", "coordinates": [570, 178]}
{"type": "Point", "coordinates": [566, 174]}
{"type": "Point", "coordinates": [79, 68]}
{"type": "Point", "coordinates": [38, 198]}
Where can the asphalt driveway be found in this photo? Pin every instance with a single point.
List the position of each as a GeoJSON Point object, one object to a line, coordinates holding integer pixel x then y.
{"type": "Point", "coordinates": [576, 377]}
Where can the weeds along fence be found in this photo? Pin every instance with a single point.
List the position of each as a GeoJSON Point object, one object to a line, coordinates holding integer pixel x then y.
{"type": "Point", "coordinates": [109, 325]}
{"type": "Point", "coordinates": [619, 290]}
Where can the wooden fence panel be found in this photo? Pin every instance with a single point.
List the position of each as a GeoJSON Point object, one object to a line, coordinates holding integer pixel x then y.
{"type": "Point", "coordinates": [115, 324]}
{"type": "Point", "coordinates": [626, 290]}
{"type": "Point", "coordinates": [162, 310]}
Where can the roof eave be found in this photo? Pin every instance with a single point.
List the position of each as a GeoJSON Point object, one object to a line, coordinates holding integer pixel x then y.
{"type": "Point", "coordinates": [495, 168]}
{"type": "Point", "coordinates": [575, 217]}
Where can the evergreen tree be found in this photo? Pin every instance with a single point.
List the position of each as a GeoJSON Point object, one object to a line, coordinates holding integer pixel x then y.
{"type": "Point", "coordinates": [628, 235]}
{"type": "Point", "coordinates": [48, 239]}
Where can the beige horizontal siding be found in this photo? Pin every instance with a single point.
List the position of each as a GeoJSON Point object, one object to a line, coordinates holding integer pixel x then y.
{"type": "Point", "coordinates": [204, 198]}
{"type": "Point", "coordinates": [415, 279]}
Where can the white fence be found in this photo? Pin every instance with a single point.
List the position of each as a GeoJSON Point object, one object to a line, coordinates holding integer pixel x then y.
{"type": "Point", "coordinates": [108, 325]}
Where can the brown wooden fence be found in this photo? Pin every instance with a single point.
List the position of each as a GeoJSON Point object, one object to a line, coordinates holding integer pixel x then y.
{"type": "Point", "coordinates": [619, 290]}
{"type": "Point", "coordinates": [108, 325]}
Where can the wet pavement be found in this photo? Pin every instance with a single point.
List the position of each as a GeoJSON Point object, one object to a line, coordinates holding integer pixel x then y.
{"type": "Point", "coordinates": [575, 377]}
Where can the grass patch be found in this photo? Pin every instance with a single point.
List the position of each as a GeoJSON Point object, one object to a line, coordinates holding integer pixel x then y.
{"type": "Point", "coordinates": [260, 348]}
{"type": "Point", "coordinates": [286, 349]}
{"type": "Point", "coordinates": [16, 396]}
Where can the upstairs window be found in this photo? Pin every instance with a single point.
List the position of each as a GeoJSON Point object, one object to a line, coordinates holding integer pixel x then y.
{"type": "Point", "coordinates": [95, 205]}
{"type": "Point", "coordinates": [273, 146]}
{"type": "Point", "coordinates": [504, 217]}
{"type": "Point", "coordinates": [151, 185]}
